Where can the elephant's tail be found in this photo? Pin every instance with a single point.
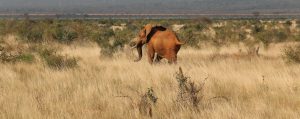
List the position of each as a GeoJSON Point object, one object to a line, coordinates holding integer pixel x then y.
{"type": "Point", "coordinates": [179, 43]}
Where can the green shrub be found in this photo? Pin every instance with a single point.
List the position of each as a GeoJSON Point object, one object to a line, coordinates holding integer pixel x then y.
{"type": "Point", "coordinates": [26, 57]}
{"type": "Point", "coordinates": [281, 36]}
{"type": "Point", "coordinates": [68, 31]}
{"type": "Point", "coordinates": [258, 28]}
{"type": "Point", "coordinates": [35, 35]}
{"type": "Point", "coordinates": [103, 38]}
{"type": "Point", "coordinates": [296, 37]}
{"type": "Point", "coordinates": [200, 27]}
{"type": "Point", "coordinates": [8, 27]}
{"type": "Point", "coordinates": [2, 28]}
{"type": "Point", "coordinates": [111, 42]}
{"type": "Point", "coordinates": [57, 61]}
{"type": "Point", "coordinates": [64, 34]}
{"type": "Point", "coordinates": [123, 37]}
{"type": "Point", "coordinates": [30, 31]}
{"type": "Point", "coordinates": [227, 34]}
{"type": "Point", "coordinates": [190, 38]}
{"type": "Point", "coordinates": [288, 23]}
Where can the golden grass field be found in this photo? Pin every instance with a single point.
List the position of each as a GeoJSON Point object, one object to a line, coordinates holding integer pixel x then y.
{"type": "Point", "coordinates": [252, 87]}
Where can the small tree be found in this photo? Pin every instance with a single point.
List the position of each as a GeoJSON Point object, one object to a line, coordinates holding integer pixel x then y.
{"type": "Point", "coordinates": [189, 93]}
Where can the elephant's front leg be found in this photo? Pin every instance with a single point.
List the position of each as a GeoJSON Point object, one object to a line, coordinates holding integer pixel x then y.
{"type": "Point", "coordinates": [151, 54]}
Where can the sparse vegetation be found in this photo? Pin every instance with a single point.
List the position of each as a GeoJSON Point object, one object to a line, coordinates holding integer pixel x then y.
{"type": "Point", "coordinates": [292, 54]}
{"type": "Point", "coordinates": [195, 32]}
{"type": "Point", "coordinates": [228, 71]}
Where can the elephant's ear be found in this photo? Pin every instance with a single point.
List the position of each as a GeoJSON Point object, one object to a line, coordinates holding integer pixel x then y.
{"type": "Point", "coordinates": [148, 29]}
{"type": "Point", "coordinates": [149, 32]}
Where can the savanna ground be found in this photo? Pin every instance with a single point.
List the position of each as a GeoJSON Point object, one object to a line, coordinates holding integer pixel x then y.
{"type": "Point", "coordinates": [84, 69]}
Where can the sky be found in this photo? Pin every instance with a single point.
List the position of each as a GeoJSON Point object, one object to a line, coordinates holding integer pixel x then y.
{"type": "Point", "coordinates": [150, 6]}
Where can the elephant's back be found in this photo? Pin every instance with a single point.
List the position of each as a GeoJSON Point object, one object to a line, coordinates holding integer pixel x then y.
{"type": "Point", "coordinates": [164, 40]}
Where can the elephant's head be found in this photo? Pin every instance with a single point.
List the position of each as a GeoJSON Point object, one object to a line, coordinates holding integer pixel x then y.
{"type": "Point", "coordinates": [140, 40]}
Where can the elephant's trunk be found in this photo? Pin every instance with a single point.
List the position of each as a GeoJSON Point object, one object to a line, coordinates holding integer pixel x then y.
{"type": "Point", "coordinates": [140, 52]}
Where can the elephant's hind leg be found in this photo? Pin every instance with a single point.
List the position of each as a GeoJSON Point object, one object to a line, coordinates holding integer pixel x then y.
{"type": "Point", "coordinates": [157, 59]}
{"type": "Point", "coordinates": [172, 58]}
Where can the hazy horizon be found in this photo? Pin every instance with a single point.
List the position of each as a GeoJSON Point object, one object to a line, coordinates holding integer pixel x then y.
{"type": "Point", "coordinates": [153, 6]}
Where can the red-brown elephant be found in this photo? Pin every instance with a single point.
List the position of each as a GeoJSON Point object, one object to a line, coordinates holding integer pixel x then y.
{"type": "Point", "coordinates": [159, 40]}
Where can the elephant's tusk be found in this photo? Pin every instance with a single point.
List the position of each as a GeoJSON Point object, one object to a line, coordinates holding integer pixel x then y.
{"type": "Point", "coordinates": [134, 47]}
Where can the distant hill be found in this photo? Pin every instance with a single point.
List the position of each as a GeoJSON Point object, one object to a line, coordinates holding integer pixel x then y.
{"type": "Point", "coordinates": [150, 6]}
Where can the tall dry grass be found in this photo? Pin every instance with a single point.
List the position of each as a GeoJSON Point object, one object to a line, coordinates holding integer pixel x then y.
{"type": "Point", "coordinates": [253, 87]}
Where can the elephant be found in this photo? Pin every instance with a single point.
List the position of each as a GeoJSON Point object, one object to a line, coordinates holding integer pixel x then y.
{"type": "Point", "coordinates": [160, 41]}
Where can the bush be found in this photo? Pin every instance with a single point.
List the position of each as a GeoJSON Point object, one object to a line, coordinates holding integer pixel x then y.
{"type": "Point", "coordinates": [2, 28]}
{"type": "Point", "coordinates": [30, 31]}
{"type": "Point", "coordinates": [281, 36]}
{"type": "Point", "coordinates": [296, 37]}
{"type": "Point", "coordinates": [57, 61]}
{"type": "Point", "coordinates": [227, 34]}
{"type": "Point", "coordinates": [258, 28]}
{"type": "Point", "coordinates": [188, 93]}
{"type": "Point", "coordinates": [111, 42]}
{"type": "Point", "coordinates": [265, 37]}
{"type": "Point", "coordinates": [190, 38]}
{"type": "Point", "coordinates": [103, 38]}
{"type": "Point", "coordinates": [14, 53]}
{"type": "Point", "coordinates": [123, 37]}
{"type": "Point", "coordinates": [288, 23]}
{"type": "Point", "coordinates": [292, 54]}
{"type": "Point", "coordinates": [35, 35]}
{"type": "Point", "coordinates": [8, 27]}
{"type": "Point", "coordinates": [9, 57]}
{"type": "Point", "coordinates": [195, 32]}
{"type": "Point", "coordinates": [64, 34]}
{"type": "Point", "coordinates": [27, 57]}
